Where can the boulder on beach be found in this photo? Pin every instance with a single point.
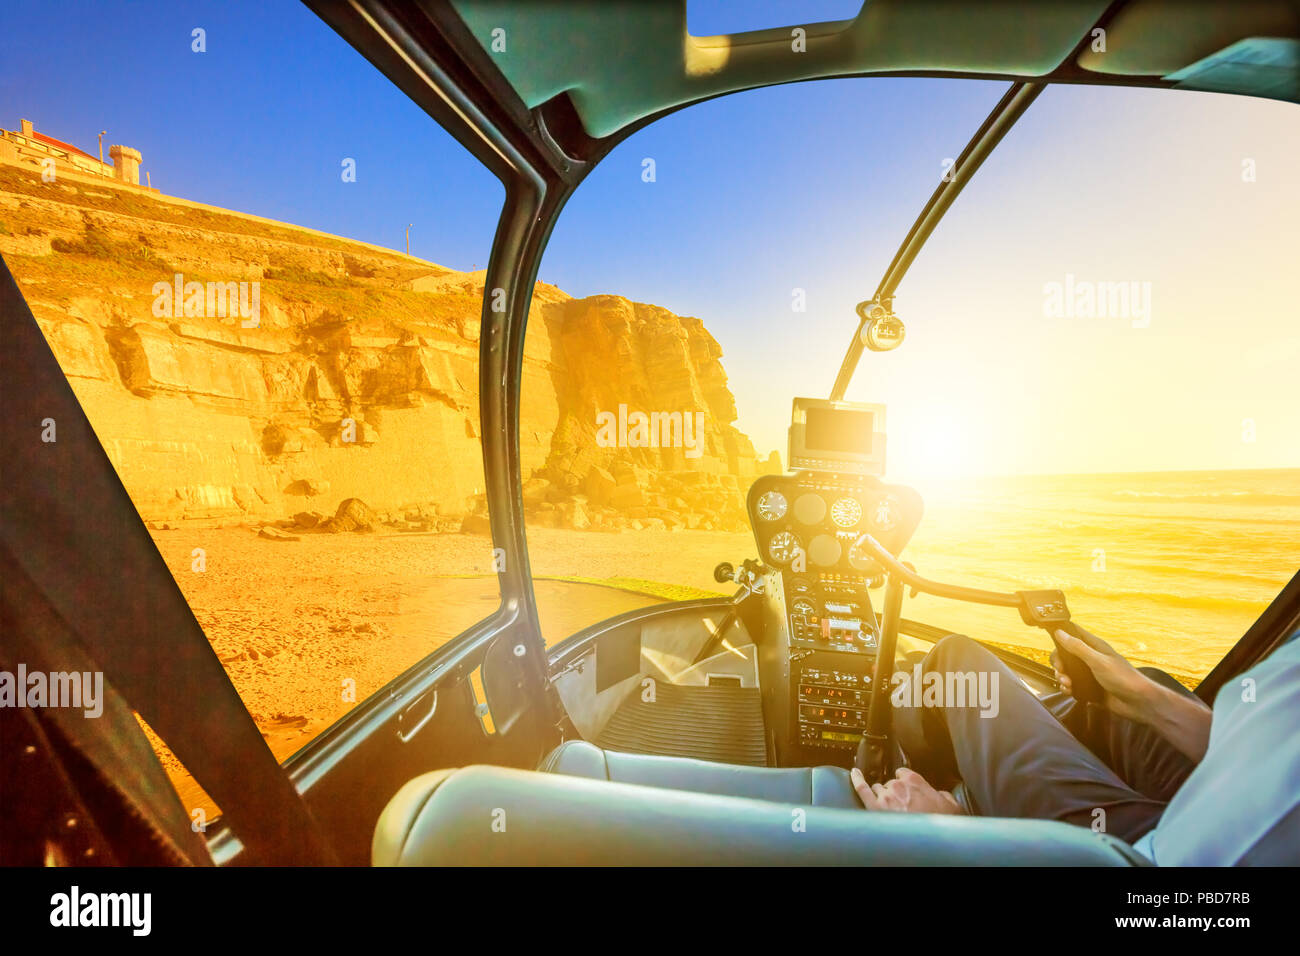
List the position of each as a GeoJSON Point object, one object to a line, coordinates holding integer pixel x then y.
{"type": "Point", "coordinates": [307, 519]}
{"type": "Point", "coordinates": [353, 515]}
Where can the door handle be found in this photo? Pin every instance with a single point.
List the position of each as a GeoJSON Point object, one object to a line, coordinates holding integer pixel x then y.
{"type": "Point", "coordinates": [410, 721]}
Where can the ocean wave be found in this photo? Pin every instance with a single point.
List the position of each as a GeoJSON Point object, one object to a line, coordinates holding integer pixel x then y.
{"type": "Point", "coordinates": [1215, 497]}
{"type": "Point", "coordinates": [1181, 572]}
{"type": "Point", "coordinates": [1212, 602]}
{"type": "Point", "coordinates": [1109, 520]}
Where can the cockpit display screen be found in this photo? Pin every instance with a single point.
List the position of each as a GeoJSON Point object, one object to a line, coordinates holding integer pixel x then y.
{"type": "Point", "coordinates": [840, 430]}
{"type": "Point", "coordinates": [833, 436]}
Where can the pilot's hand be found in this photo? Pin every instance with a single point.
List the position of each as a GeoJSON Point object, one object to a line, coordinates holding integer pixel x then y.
{"type": "Point", "coordinates": [908, 792]}
{"type": "Point", "coordinates": [1127, 690]}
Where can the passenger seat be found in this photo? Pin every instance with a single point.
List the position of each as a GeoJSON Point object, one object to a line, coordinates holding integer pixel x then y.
{"type": "Point", "coordinates": [797, 786]}
{"type": "Point", "coordinates": [497, 816]}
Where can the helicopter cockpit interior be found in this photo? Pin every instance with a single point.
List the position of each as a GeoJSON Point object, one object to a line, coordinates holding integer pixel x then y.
{"type": "Point", "coordinates": [671, 725]}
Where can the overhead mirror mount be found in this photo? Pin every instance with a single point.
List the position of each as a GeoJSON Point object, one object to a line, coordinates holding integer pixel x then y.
{"type": "Point", "coordinates": [881, 330]}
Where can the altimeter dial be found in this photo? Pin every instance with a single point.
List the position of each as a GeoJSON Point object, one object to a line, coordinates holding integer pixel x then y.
{"type": "Point", "coordinates": [784, 547]}
{"type": "Point", "coordinates": [846, 512]}
{"type": "Point", "coordinates": [803, 606]}
{"type": "Point", "coordinates": [772, 506]}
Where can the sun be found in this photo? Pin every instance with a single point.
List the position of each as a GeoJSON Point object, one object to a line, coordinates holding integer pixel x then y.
{"type": "Point", "coordinates": [936, 442]}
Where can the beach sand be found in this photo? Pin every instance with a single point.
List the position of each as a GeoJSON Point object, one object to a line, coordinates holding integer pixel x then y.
{"type": "Point", "coordinates": [292, 621]}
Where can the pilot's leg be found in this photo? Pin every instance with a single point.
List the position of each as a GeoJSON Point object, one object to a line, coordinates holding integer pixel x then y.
{"type": "Point", "coordinates": [1142, 758]}
{"type": "Point", "coordinates": [1015, 758]}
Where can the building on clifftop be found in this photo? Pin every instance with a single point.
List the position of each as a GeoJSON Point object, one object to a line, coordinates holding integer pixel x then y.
{"type": "Point", "coordinates": [26, 148]}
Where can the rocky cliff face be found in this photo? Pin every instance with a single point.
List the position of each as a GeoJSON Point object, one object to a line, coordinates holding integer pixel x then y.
{"type": "Point", "coordinates": [360, 378]}
{"type": "Point", "coordinates": [614, 358]}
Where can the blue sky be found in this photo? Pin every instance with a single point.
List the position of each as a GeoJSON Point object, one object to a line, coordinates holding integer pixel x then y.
{"type": "Point", "coordinates": [809, 186]}
{"type": "Point", "coordinates": [262, 120]}
{"type": "Point", "coordinates": [709, 17]}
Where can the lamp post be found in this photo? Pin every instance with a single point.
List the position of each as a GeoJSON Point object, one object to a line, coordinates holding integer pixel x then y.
{"type": "Point", "coordinates": [408, 237]}
{"type": "Point", "coordinates": [102, 134]}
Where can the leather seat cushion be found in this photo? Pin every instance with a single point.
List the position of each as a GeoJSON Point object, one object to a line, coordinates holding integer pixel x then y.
{"type": "Point", "coordinates": [451, 817]}
{"type": "Point", "coordinates": [799, 786]}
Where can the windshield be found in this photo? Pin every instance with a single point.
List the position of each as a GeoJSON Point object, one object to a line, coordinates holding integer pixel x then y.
{"type": "Point", "coordinates": [1095, 388]}
{"type": "Point", "coordinates": [273, 332]}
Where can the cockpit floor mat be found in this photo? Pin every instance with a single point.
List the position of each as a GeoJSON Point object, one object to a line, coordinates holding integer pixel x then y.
{"type": "Point", "coordinates": [722, 724]}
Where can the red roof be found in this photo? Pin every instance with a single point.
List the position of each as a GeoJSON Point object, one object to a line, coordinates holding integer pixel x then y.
{"type": "Point", "coordinates": [59, 144]}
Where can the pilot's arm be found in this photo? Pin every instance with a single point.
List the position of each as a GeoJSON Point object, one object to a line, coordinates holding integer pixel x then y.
{"type": "Point", "coordinates": [1181, 719]}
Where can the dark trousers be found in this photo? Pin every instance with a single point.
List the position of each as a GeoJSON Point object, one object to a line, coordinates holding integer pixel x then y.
{"type": "Point", "coordinates": [1042, 759]}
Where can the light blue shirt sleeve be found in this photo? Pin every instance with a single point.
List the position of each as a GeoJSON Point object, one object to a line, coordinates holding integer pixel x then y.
{"type": "Point", "coordinates": [1143, 844]}
{"type": "Point", "coordinates": [1241, 805]}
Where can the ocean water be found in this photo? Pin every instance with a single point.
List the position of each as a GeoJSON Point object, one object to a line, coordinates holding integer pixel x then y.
{"type": "Point", "coordinates": [1171, 568]}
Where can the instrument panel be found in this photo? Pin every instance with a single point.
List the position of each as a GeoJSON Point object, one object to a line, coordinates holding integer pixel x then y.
{"type": "Point", "coordinates": [814, 522]}
{"type": "Point", "coordinates": [832, 707]}
{"type": "Point", "coordinates": [831, 613]}
{"type": "Point", "coordinates": [810, 526]}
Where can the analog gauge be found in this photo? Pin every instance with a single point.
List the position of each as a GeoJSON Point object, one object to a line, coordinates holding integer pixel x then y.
{"type": "Point", "coordinates": [810, 509]}
{"type": "Point", "coordinates": [824, 550]}
{"type": "Point", "coordinates": [784, 547]}
{"type": "Point", "coordinates": [771, 506]}
{"type": "Point", "coordinates": [803, 607]}
{"type": "Point", "coordinates": [801, 586]}
{"type": "Point", "coordinates": [884, 514]}
{"type": "Point", "coordinates": [846, 512]}
{"type": "Point", "coordinates": [860, 558]}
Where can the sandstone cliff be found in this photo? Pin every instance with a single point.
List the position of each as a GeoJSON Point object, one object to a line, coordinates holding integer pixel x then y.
{"type": "Point", "coordinates": [360, 378]}
{"type": "Point", "coordinates": [606, 352]}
